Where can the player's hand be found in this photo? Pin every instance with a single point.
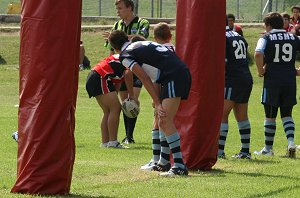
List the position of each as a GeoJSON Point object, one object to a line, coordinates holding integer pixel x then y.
{"type": "Point", "coordinates": [298, 71]}
{"type": "Point", "coordinates": [135, 99]}
{"type": "Point", "coordinates": [153, 104]}
{"type": "Point", "coordinates": [105, 35]}
{"type": "Point", "coordinates": [161, 112]}
{"type": "Point", "coordinates": [262, 71]}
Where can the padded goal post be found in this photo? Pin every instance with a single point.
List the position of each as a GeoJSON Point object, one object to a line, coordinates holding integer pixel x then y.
{"type": "Point", "coordinates": [200, 42]}
{"type": "Point", "coordinates": [49, 59]}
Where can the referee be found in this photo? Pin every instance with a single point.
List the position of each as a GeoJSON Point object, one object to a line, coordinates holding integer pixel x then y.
{"type": "Point", "coordinates": [131, 25]}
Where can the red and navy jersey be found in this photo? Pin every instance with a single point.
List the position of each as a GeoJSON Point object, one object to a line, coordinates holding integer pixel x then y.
{"type": "Point", "coordinates": [295, 22]}
{"type": "Point", "coordinates": [111, 68]}
{"type": "Point", "coordinates": [237, 68]}
{"type": "Point", "coordinates": [289, 28]}
{"type": "Point", "coordinates": [160, 63]}
{"type": "Point", "coordinates": [237, 29]}
{"type": "Point", "coordinates": [279, 48]}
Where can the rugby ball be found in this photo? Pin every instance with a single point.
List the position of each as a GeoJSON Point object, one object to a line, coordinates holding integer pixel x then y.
{"type": "Point", "coordinates": [130, 108]}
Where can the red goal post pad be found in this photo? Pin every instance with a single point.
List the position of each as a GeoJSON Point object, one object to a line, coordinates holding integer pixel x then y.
{"type": "Point", "coordinates": [200, 43]}
{"type": "Point", "coordinates": [49, 59]}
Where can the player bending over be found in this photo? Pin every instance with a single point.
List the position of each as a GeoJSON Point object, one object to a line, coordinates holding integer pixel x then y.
{"type": "Point", "coordinates": [165, 68]}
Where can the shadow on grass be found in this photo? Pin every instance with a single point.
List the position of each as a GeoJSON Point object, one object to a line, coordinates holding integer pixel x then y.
{"type": "Point", "coordinates": [262, 161]}
{"type": "Point", "coordinates": [86, 196]}
{"type": "Point", "coordinates": [212, 172]}
{"type": "Point", "coordinates": [2, 61]}
{"type": "Point", "coordinates": [264, 175]}
{"type": "Point", "coordinates": [274, 192]}
{"type": "Point", "coordinates": [139, 146]}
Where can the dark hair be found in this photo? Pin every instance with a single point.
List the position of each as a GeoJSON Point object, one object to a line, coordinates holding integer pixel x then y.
{"type": "Point", "coordinates": [231, 16]}
{"type": "Point", "coordinates": [274, 20]}
{"type": "Point", "coordinates": [128, 3]}
{"type": "Point", "coordinates": [136, 38]}
{"type": "Point", "coordinates": [297, 7]}
{"type": "Point", "coordinates": [117, 38]}
{"type": "Point", "coordinates": [285, 15]}
{"type": "Point", "coordinates": [162, 31]}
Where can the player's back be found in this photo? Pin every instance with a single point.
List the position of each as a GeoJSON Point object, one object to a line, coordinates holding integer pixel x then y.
{"type": "Point", "coordinates": [281, 48]}
{"type": "Point", "coordinates": [110, 67]}
{"type": "Point", "coordinates": [155, 55]}
{"type": "Point", "coordinates": [236, 49]}
{"type": "Point", "coordinates": [237, 67]}
{"type": "Point", "coordinates": [280, 55]}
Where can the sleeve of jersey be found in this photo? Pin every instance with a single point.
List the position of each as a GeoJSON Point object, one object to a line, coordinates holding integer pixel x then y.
{"type": "Point", "coordinates": [144, 28]}
{"type": "Point", "coordinates": [261, 45]}
{"type": "Point", "coordinates": [129, 63]}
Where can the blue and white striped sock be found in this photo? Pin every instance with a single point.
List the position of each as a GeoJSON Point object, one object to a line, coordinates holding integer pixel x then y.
{"type": "Point", "coordinates": [270, 129]}
{"type": "Point", "coordinates": [289, 128]}
{"type": "Point", "coordinates": [222, 138]}
{"type": "Point", "coordinates": [155, 145]}
{"type": "Point", "coordinates": [174, 144]}
{"type": "Point", "coordinates": [245, 130]}
{"type": "Point", "coordinates": [164, 149]}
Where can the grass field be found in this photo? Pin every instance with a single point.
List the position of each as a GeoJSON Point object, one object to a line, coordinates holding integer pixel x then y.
{"type": "Point", "coordinates": [102, 172]}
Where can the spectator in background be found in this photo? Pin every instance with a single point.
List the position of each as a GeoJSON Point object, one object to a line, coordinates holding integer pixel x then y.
{"type": "Point", "coordinates": [232, 26]}
{"type": "Point", "coordinates": [131, 25]}
{"type": "Point", "coordinates": [295, 19]}
{"type": "Point", "coordinates": [287, 22]}
{"type": "Point", "coordinates": [84, 62]}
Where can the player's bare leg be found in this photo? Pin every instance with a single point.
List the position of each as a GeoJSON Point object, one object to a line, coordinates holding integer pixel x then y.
{"type": "Point", "coordinates": [112, 108]}
{"type": "Point", "coordinates": [166, 123]}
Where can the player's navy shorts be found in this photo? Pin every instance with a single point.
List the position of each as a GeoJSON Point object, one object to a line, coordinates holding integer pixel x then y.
{"type": "Point", "coordinates": [177, 87]}
{"type": "Point", "coordinates": [136, 83]}
{"type": "Point", "coordinates": [279, 96]}
{"type": "Point", "coordinates": [96, 85]}
{"type": "Point", "coordinates": [239, 94]}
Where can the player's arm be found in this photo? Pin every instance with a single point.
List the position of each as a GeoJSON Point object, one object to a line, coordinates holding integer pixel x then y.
{"type": "Point", "coordinates": [140, 73]}
{"type": "Point", "coordinates": [259, 60]}
{"type": "Point", "coordinates": [298, 71]}
{"type": "Point", "coordinates": [129, 84]}
{"type": "Point", "coordinates": [259, 57]}
{"type": "Point", "coordinates": [157, 90]}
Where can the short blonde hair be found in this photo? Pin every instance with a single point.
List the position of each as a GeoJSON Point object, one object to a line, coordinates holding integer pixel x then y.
{"type": "Point", "coordinates": [162, 31]}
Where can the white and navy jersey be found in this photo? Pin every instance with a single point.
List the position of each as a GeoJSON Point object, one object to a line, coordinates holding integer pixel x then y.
{"type": "Point", "coordinates": [237, 71]}
{"type": "Point", "coordinates": [170, 46]}
{"type": "Point", "coordinates": [157, 61]}
{"type": "Point", "coordinates": [279, 48]}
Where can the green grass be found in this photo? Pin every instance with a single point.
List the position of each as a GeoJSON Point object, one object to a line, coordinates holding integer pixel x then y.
{"type": "Point", "coordinates": [102, 172]}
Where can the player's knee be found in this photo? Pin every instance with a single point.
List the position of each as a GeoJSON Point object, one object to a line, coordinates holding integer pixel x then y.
{"type": "Point", "coordinates": [164, 122]}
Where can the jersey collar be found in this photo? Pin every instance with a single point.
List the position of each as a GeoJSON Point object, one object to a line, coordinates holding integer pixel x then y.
{"type": "Point", "coordinates": [277, 30]}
